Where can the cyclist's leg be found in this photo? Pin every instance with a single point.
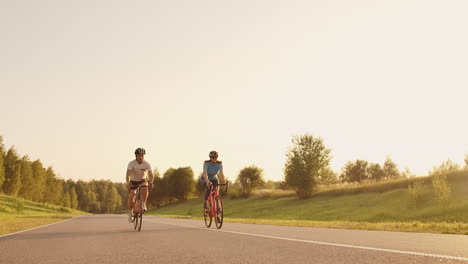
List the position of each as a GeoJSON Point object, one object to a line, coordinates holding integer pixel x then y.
{"type": "Point", "coordinates": [207, 193]}
{"type": "Point", "coordinates": [131, 195]}
{"type": "Point", "coordinates": [144, 193]}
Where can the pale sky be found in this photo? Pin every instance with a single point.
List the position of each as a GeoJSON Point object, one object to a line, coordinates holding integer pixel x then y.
{"type": "Point", "coordinates": [84, 83]}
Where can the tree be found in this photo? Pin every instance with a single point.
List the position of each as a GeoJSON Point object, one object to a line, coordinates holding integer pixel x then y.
{"type": "Point", "coordinates": [199, 187]}
{"type": "Point", "coordinates": [306, 161]}
{"type": "Point", "coordinates": [271, 185]}
{"type": "Point", "coordinates": [123, 193]}
{"type": "Point", "coordinates": [81, 192]}
{"type": "Point", "coordinates": [328, 177]}
{"type": "Point", "coordinates": [406, 173]}
{"type": "Point", "coordinates": [160, 192]}
{"type": "Point", "coordinates": [54, 190]}
{"type": "Point", "coordinates": [390, 169]}
{"type": "Point", "coordinates": [113, 200]}
{"type": "Point", "coordinates": [65, 200]}
{"type": "Point", "coordinates": [250, 177]}
{"type": "Point", "coordinates": [73, 198]}
{"type": "Point", "coordinates": [39, 178]}
{"type": "Point", "coordinates": [282, 185]}
{"type": "Point", "coordinates": [355, 171]}
{"type": "Point", "coordinates": [102, 189]}
{"type": "Point", "coordinates": [12, 183]}
{"type": "Point", "coordinates": [27, 180]}
{"type": "Point", "coordinates": [445, 167]}
{"type": "Point", "coordinates": [2, 165]}
{"type": "Point", "coordinates": [181, 183]}
{"type": "Point", "coordinates": [94, 205]}
{"type": "Point", "coordinates": [166, 177]}
{"type": "Point", "coordinates": [375, 172]}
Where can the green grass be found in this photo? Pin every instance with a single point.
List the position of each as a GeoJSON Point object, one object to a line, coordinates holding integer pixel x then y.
{"type": "Point", "coordinates": [384, 206]}
{"type": "Point", "coordinates": [18, 214]}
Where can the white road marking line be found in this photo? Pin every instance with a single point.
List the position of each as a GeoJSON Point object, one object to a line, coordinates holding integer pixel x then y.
{"type": "Point", "coordinates": [324, 243]}
{"type": "Point", "coordinates": [38, 227]}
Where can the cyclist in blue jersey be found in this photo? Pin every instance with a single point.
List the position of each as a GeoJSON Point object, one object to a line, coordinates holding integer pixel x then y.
{"type": "Point", "coordinates": [211, 168]}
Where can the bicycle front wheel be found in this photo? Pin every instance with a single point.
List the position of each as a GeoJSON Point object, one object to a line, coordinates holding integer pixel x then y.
{"type": "Point", "coordinates": [135, 220]}
{"type": "Point", "coordinates": [140, 221]}
{"type": "Point", "coordinates": [219, 214]}
{"type": "Point", "coordinates": [207, 216]}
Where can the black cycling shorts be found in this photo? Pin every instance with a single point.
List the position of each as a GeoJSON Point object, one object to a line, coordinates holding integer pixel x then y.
{"type": "Point", "coordinates": [134, 184]}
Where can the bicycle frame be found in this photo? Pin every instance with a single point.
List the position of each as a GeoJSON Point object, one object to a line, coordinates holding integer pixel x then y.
{"type": "Point", "coordinates": [137, 196]}
{"type": "Point", "coordinates": [214, 192]}
{"type": "Point", "coordinates": [138, 208]}
{"type": "Point", "coordinates": [216, 207]}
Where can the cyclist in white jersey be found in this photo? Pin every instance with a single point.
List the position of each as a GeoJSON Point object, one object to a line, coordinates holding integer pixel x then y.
{"type": "Point", "coordinates": [136, 172]}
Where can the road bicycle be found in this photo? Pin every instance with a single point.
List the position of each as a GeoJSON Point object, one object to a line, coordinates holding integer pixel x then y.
{"type": "Point", "coordinates": [215, 206]}
{"type": "Point", "coordinates": [137, 216]}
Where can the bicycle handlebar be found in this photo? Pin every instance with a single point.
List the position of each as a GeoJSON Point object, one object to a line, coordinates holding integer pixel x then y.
{"type": "Point", "coordinates": [220, 184]}
{"type": "Point", "coordinates": [142, 186]}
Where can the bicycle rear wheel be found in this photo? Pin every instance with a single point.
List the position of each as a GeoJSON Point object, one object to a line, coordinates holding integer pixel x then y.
{"type": "Point", "coordinates": [219, 212]}
{"type": "Point", "coordinates": [207, 215]}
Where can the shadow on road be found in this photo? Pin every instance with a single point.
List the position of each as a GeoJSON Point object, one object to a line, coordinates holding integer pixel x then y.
{"type": "Point", "coordinates": [96, 234]}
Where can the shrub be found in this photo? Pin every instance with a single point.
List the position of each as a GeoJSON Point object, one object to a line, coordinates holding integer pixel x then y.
{"type": "Point", "coordinates": [416, 192]}
{"type": "Point", "coordinates": [441, 187]}
{"type": "Point", "coordinates": [250, 178]}
{"type": "Point", "coordinates": [271, 194]}
{"type": "Point", "coordinates": [235, 192]}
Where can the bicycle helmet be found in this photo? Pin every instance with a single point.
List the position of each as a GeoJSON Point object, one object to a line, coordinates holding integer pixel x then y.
{"type": "Point", "coordinates": [140, 151]}
{"type": "Point", "coordinates": [213, 154]}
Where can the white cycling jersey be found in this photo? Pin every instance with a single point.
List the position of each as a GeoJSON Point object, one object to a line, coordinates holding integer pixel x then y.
{"type": "Point", "coordinates": [138, 171]}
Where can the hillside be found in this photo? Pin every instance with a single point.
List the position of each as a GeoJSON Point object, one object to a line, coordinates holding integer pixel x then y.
{"type": "Point", "coordinates": [18, 214]}
{"type": "Point", "coordinates": [384, 206]}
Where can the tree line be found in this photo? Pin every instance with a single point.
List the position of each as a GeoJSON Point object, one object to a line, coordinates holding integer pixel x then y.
{"type": "Point", "coordinates": [306, 168]}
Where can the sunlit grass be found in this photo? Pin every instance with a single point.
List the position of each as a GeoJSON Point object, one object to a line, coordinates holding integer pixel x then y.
{"type": "Point", "coordinates": [373, 207]}
{"type": "Point", "coordinates": [18, 214]}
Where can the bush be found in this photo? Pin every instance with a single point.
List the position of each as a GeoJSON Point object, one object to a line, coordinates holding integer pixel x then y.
{"type": "Point", "coordinates": [441, 187]}
{"type": "Point", "coordinates": [416, 192]}
{"type": "Point", "coordinates": [250, 178]}
{"type": "Point", "coordinates": [272, 194]}
{"type": "Point", "coordinates": [235, 192]}
{"type": "Point", "coordinates": [63, 209]}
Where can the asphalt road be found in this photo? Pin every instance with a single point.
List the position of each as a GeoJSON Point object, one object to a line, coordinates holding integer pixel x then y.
{"type": "Point", "coordinates": [111, 239]}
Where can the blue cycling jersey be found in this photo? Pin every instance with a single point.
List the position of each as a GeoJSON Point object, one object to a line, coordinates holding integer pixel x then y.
{"type": "Point", "coordinates": [212, 168]}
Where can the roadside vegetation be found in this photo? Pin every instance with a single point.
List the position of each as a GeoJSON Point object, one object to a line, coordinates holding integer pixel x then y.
{"type": "Point", "coordinates": [363, 194]}
{"type": "Point", "coordinates": [385, 206]}
{"type": "Point", "coordinates": [18, 214]}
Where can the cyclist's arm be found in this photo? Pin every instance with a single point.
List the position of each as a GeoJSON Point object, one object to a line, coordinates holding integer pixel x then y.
{"type": "Point", "coordinates": [205, 175]}
{"type": "Point", "coordinates": [150, 176]}
{"type": "Point", "coordinates": [221, 176]}
{"type": "Point", "coordinates": [127, 179]}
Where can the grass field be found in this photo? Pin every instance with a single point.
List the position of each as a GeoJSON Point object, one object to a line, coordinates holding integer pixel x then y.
{"type": "Point", "coordinates": [374, 206]}
{"type": "Point", "coordinates": [17, 214]}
